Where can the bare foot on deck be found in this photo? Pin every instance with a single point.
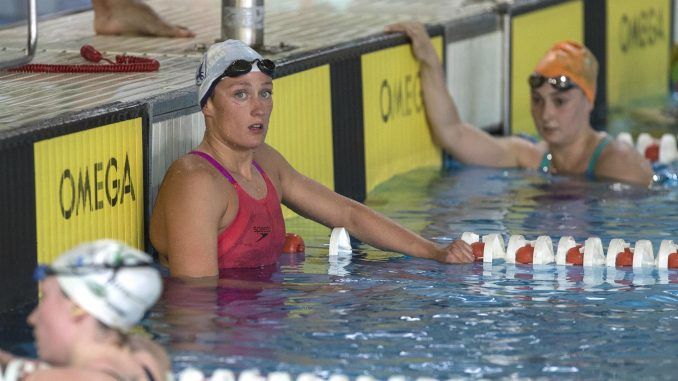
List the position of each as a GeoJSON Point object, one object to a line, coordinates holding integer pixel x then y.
{"type": "Point", "coordinates": [133, 17]}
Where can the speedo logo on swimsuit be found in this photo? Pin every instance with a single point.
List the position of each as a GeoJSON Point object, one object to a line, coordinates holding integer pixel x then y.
{"type": "Point", "coordinates": [263, 231]}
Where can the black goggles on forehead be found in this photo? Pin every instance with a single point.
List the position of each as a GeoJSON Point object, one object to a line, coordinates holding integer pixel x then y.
{"type": "Point", "coordinates": [238, 68]}
{"type": "Point", "coordinates": [43, 271]}
{"type": "Point", "coordinates": [242, 67]}
{"type": "Point", "coordinates": [560, 83]}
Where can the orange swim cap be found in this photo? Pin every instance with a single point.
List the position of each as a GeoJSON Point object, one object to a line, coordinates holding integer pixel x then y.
{"type": "Point", "coordinates": [573, 60]}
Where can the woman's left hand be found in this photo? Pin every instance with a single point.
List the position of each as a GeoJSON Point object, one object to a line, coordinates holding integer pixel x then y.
{"type": "Point", "coordinates": [422, 48]}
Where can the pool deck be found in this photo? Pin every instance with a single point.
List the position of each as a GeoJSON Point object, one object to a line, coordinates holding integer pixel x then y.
{"type": "Point", "coordinates": [28, 98]}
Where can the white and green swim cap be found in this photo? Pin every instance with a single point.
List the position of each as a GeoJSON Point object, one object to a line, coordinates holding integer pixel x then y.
{"type": "Point", "coordinates": [113, 282]}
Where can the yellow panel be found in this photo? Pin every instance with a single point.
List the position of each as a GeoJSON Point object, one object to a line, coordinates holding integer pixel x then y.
{"type": "Point", "coordinates": [397, 136]}
{"type": "Point", "coordinates": [89, 185]}
{"type": "Point", "coordinates": [301, 124]}
{"type": "Point", "coordinates": [532, 35]}
{"type": "Point", "coordinates": [638, 50]}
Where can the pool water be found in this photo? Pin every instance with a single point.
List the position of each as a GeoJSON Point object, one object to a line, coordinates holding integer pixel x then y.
{"type": "Point", "coordinates": [384, 314]}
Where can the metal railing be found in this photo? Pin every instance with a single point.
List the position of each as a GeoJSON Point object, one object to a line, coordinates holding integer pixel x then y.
{"type": "Point", "coordinates": [32, 38]}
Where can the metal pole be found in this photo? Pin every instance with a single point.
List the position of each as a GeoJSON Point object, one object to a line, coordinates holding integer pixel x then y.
{"type": "Point", "coordinates": [243, 20]}
{"type": "Point", "coordinates": [32, 39]}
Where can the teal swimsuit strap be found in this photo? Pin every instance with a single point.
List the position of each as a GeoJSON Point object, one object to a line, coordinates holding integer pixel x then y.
{"type": "Point", "coordinates": [545, 165]}
{"type": "Point", "coordinates": [591, 170]}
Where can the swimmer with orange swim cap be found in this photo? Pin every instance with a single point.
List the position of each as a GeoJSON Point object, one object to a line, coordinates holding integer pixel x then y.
{"type": "Point", "coordinates": [92, 295]}
{"type": "Point", "coordinates": [563, 89]}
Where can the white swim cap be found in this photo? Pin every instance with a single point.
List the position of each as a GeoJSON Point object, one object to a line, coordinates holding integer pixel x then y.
{"type": "Point", "coordinates": [215, 62]}
{"type": "Point", "coordinates": [113, 282]}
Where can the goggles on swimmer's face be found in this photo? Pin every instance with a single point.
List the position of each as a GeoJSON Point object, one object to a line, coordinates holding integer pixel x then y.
{"type": "Point", "coordinates": [238, 68]}
{"type": "Point", "coordinates": [43, 271]}
{"type": "Point", "coordinates": [560, 83]}
{"type": "Point", "coordinates": [242, 67]}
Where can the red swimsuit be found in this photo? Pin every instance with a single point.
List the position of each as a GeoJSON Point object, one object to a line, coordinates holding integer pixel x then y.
{"type": "Point", "coordinates": [257, 234]}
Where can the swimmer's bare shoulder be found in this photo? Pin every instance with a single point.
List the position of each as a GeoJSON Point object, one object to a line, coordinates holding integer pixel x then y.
{"type": "Point", "coordinates": [620, 161]}
{"type": "Point", "coordinates": [190, 175]}
{"type": "Point", "coordinates": [71, 374]}
{"type": "Point", "coordinates": [192, 192]}
{"type": "Point", "coordinates": [274, 164]}
{"type": "Point", "coordinates": [527, 154]}
{"type": "Point", "coordinates": [150, 355]}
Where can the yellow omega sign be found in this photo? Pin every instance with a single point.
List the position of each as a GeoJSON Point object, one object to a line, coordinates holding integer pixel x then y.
{"type": "Point", "coordinates": [306, 104]}
{"type": "Point", "coordinates": [638, 50]}
{"type": "Point", "coordinates": [89, 185]}
{"type": "Point", "coordinates": [397, 136]}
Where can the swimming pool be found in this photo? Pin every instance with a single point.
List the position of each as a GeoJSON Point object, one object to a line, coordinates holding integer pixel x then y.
{"type": "Point", "coordinates": [384, 314]}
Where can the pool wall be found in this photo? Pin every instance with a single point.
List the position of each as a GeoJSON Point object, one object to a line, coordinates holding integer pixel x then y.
{"type": "Point", "coordinates": [349, 115]}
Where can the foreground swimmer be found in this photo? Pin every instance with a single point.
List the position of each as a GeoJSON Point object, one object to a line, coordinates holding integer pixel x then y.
{"type": "Point", "coordinates": [219, 206]}
{"type": "Point", "coordinates": [133, 17]}
{"type": "Point", "coordinates": [91, 296]}
{"type": "Point", "coordinates": [563, 87]}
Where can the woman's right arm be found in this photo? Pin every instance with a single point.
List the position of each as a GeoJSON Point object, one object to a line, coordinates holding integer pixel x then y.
{"type": "Point", "coordinates": [185, 221]}
{"type": "Point", "coordinates": [466, 143]}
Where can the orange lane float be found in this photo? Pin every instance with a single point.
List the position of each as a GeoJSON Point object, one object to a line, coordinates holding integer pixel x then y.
{"type": "Point", "coordinates": [575, 256]}
{"type": "Point", "coordinates": [485, 249]}
{"type": "Point", "coordinates": [478, 248]}
{"type": "Point", "coordinates": [663, 150]}
{"type": "Point", "coordinates": [667, 258]}
{"type": "Point", "coordinates": [293, 244]}
{"type": "Point", "coordinates": [620, 254]}
{"type": "Point", "coordinates": [624, 258]}
{"type": "Point", "coordinates": [537, 252]}
{"type": "Point", "coordinates": [525, 254]}
{"type": "Point", "coordinates": [652, 152]}
{"type": "Point", "coordinates": [569, 252]}
{"type": "Point", "coordinates": [673, 260]}
{"type": "Point", "coordinates": [589, 254]}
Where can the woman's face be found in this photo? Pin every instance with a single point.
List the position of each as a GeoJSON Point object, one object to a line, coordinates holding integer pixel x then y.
{"type": "Point", "coordinates": [52, 323]}
{"type": "Point", "coordinates": [240, 108]}
{"type": "Point", "coordinates": [560, 116]}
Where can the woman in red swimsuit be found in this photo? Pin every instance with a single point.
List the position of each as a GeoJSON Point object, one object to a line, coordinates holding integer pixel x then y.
{"type": "Point", "coordinates": [563, 88]}
{"type": "Point", "coordinates": [219, 206]}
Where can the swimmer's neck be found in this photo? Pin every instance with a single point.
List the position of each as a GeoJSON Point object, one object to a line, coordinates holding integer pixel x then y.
{"type": "Point", "coordinates": [235, 159]}
{"type": "Point", "coordinates": [573, 157]}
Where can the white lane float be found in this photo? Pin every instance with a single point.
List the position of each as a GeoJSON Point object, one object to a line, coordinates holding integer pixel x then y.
{"type": "Point", "coordinates": [589, 254]}
{"type": "Point", "coordinates": [193, 374]}
{"type": "Point", "coordinates": [537, 252]}
{"type": "Point", "coordinates": [626, 138]}
{"type": "Point", "coordinates": [488, 249]}
{"type": "Point", "coordinates": [667, 258]}
{"type": "Point", "coordinates": [223, 375]}
{"type": "Point", "coordinates": [340, 252]}
{"type": "Point", "coordinates": [340, 242]}
{"type": "Point", "coordinates": [620, 254]}
{"type": "Point", "coordinates": [663, 150]}
{"type": "Point", "coordinates": [668, 149]}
